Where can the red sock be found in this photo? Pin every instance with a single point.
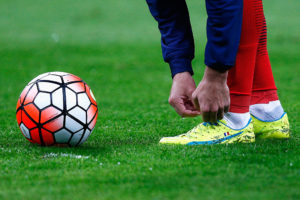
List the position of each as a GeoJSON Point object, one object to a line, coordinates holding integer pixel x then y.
{"type": "Point", "coordinates": [252, 72]}
{"type": "Point", "coordinates": [263, 89]}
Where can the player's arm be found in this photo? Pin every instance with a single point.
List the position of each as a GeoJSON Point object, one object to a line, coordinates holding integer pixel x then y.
{"type": "Point", "coordinates": [176, 34]}
{"type": "Point", "coordinates": [178, 50]}
{"type": "Point", "coordinates": [224, 24]}
{"type": "Point", "coordinates": [223, 36]}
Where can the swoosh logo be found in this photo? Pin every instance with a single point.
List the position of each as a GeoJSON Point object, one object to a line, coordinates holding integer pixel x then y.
{"type": "Point", "coordinates": [214, 141]}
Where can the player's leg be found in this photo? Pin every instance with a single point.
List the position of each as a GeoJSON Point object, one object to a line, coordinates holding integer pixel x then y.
{"type": "Point", "coordinates": [240, 77]}
{"type": "Point", "coordinates": [264, 89]}
{"type": "Point", "coordinates": [265, 105]}
{"type": "Point", "coordinates": [236, 125]}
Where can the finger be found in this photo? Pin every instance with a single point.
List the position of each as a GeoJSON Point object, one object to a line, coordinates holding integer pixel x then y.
{"type": "Point", "coordinates": [213, 117]}
{"type": "Point", "coordinates": [195, 102]}
{"type": "Point", "coordinates": [189, 105]}
{"type": "Point", "coordinates": [220, 114]}
{"type": "Point", "coordinates": [206, 116]}
{"type": "Point", "coordinates": [182, 111]}
{"type": "Point", "coordinates": [190, 113]}
{"type": "Point", "coordinates": [176, 105]}
{"type": "Point", "coordinates": [189, 110]}
{"type": "Point", "coordinates": [226, 109]}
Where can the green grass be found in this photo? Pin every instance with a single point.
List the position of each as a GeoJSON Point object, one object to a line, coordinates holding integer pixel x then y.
{"type": "Point", "coordinates": [114, 46]}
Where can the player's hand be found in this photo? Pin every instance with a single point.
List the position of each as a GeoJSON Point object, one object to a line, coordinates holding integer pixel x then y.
{"type": "Point", "coordinates": [212, 95]}
{"type": "Point", "coordinates": [181, 95]}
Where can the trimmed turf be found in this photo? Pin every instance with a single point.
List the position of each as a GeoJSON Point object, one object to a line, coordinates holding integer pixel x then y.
{"type": "Point", "coordinates": [114, 46]}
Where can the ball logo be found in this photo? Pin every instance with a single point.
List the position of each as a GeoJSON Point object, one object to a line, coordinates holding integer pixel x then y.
{"type": "Point", "coordinates": [57, 108]}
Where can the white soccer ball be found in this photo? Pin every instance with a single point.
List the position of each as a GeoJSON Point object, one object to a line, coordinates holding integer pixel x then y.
{"type": "Point", "coordinates": [57, 108]}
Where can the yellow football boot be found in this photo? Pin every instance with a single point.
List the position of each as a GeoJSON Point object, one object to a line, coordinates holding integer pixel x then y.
{"type": "Point", "coordinates": [278, 129]}
{"type": "Point", "coordinates": [217, 133]}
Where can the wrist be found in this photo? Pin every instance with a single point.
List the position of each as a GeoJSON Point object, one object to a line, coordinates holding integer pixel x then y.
{"type": "Point", "coordinates": [212, 75]}
{"type": "Point", "coordinates": [180, 66]}
{"type": "Point", "coordinates": [182, 76]}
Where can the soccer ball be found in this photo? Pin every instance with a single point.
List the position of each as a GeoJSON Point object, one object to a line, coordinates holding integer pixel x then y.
{"type": "Point", "coordinates": [57, 108]}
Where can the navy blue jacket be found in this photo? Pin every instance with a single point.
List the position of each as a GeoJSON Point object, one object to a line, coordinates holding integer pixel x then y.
{"type": "Point", "coordinates": [224, 24]}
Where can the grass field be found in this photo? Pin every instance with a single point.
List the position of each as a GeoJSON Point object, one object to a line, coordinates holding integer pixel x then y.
{"type": "Point", "coordinates": [114, 46]}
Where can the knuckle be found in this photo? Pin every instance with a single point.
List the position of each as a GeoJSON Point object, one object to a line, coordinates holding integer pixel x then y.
{"type": "Point", "coordinates": [205, 110]}
{"type": "Point", "coordinates": [214, 109]}
{"type": "Point", "coordinates": [221, 105]}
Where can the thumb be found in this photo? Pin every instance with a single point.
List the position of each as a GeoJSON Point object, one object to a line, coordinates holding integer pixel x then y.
{"type": "Point", "coordinates": [195, 102]}
{"type": "Point", "coordinates": [190, 98]}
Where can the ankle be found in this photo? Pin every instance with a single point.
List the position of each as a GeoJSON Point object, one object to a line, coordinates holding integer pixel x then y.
{"type": "Point", "coordinates": [270, 111]}
{"type": "Point", "coordinates": [237, 120]}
